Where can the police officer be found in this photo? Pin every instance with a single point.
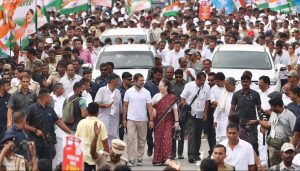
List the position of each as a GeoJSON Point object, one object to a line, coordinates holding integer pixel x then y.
{"type": "Point", "coordinates": [40, 125]}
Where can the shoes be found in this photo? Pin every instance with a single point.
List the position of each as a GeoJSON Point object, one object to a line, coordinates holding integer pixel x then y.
{"type": "Point", "coordinates": [180, 156]}
{"type": "Point", "coordinates": [191, 160]}
{"type": "Point", "coordinates": [149, 152]}
{"type": "Point", "coordinates": [173, 157]}
{"type": "Point", "coordinates": [197, 158]}
{"type": "Point", "coordinates": [131, 163]}
{"type": "Point", "coordinates": [139, 163]}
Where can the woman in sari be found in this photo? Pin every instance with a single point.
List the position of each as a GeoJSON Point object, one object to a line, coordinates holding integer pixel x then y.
{"type": "Point", "coordinates": [166, 118]}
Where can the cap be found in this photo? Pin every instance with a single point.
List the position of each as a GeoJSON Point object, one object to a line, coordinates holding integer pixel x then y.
{"type": "Point", "coordinates": [7, 137]}
{"type": "Point", "coordinates": [207, 23]}
{"type": "Point", "coordinates": [287, 146]}
{"type": "Point", "coordinates": [118, 146]}
{"type": "Point", "coordinates": [78, 27]}
{"type": "Point", "coordinates": [92, 29]}
{"type": "Point", "coordinates": [275, 94]}
{"type": "Point", "coordinates": [7, 66]}
{"type": "Point", "coordinates": [154, 22]}
{"type": "Point", "coordinates": [102, 25]}
{"type": "Point", "coordinates": [49, 40]}
{"type": "Point", "coordinates": [193, 52]}
{"type": "Point", "coordinates": [292, 73]}
{"type": "Point", "coordinates": [37, 63]}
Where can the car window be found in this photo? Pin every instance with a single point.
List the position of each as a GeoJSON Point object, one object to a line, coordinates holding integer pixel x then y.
{"type": "Point", "coordinates": [241, 60]}
{"type": "Point", "coordinates": [127, 60]}
{"type": "Point", "coordinates": [136, 38]}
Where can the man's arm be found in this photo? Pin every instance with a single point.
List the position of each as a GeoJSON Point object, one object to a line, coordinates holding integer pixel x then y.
{"type": "Point", "coordinates": [295, 138]}
{"type": "Point", "coordinates": [63, 126]}
{"type": "Point", "coordinates": [9, 117]}
{"type": "Point", "coordinates": [105, 145]}
{"type": "Point", "coordinates": [150, 110]}
{"type": "Point", "coordinates": [232, 109]}
{"type": "Point", "coordinates": [37, 132]}
{"type": "Point", "coordinates": [125, 109]}
{"type": "Point", "coordinates": [93, 149]}
{"type": "Point", "coordinates": [251, 167]}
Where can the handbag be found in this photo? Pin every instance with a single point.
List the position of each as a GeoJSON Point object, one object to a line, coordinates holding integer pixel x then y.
{"type": "Point", "coordinates": [186, 109]}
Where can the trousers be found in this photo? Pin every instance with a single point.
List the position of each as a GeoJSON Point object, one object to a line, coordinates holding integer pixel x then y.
{"type": "Point", "coordinates": [195, 134]}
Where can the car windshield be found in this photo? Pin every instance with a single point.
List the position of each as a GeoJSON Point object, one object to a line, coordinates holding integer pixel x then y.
{"type": "Point", "coordinates": [241, 60]}
{"type": "Point", "coordinates": [127, 59]}
{"type": "Point", "coordinates": [136, 38]}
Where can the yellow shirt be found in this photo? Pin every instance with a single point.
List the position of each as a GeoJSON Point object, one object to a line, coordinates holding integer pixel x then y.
{"type": "Point", "coordinates": [85, 131]}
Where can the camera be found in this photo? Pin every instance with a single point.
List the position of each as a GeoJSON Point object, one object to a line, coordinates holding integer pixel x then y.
{"type": "Point", "coordinates": [22, 146]}
{"type": "Point", "coordinates": [177, 135]}
{"type": "Point", "coordinates": [263, 116]}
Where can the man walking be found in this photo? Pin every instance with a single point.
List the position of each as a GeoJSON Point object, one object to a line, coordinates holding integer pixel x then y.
{"type": "Point", "coordinates": [199, 91]}
{"type": "Point", "coordinates": [137, 101]}
{"type": "Point", "coordinates": [4, 97]}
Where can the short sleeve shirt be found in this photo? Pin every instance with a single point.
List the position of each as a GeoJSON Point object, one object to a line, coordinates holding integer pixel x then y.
{"type": "Point", "coordinates": [297, 125]}
{"type": "Point", "coordinates": [246, 103]}
{"type": "Point", "coordinates": [137, 103]}
{"type": "Point", "coordinates": [19, 101]}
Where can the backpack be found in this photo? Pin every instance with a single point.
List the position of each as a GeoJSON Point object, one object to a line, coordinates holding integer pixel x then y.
{"type": "Point", "coordinates": [68, 111]}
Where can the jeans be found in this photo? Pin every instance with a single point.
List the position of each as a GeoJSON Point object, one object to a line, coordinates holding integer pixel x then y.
{"type": "Point", "coordinates": [194, 141]}
{"type": "Point", "coordinates": [180, 142]}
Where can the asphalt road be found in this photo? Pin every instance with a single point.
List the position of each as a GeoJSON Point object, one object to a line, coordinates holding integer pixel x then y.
{"type": "Point", "coordinates": [185, 165]}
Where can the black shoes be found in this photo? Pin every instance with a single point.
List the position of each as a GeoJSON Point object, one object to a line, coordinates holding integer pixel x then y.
{"type": "Point", "coordinates": [192, 160]}
{"type": "Point", "coordinates": [149, 152]}
{"type": "Point", "coordinates": [180, 156]}
{"type": "Point", "coordinates": [197, 158]}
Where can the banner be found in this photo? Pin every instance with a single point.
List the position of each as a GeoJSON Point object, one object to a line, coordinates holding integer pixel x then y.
{"type": "Point", "coordinates": [104, 3]}
{"type": "Point", "coordinates": [204, 10]}
{"type": "Point", "coordinates": [137, 5]}
{"type": "Point", "coordinates": [228, 5]}
{"type": "Point", "coordinates": [41, 16]}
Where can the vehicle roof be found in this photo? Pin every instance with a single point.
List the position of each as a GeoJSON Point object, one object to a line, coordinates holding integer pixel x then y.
{"type": "Point", "coordinates": [241, 47]}
{"type": "Point", "coordinates": [128, 47]}
{"type": "Point", "coordinates": [125, 31]}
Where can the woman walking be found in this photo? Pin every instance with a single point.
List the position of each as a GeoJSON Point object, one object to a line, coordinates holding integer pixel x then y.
{"type": "Point", "coordinates": [165, 120]}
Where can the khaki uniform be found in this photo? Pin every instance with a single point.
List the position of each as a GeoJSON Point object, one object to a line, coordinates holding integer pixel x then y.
{"type": "Point", "coordinates": [53, 78]}
{"type": "Point", "coordinates": [16, 162]}
{"type": "Point", "coordinates": [104, 159]}
{"type": "Point", "coordinates": [34, 86]}
{"type": "Point", "coordinates": [29, 65]}
{"type": "Point", "coordinates": [226, 168]}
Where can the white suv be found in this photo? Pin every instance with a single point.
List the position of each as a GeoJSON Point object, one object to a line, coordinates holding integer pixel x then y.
{"type": "Point", "coordinates": [233, 60]}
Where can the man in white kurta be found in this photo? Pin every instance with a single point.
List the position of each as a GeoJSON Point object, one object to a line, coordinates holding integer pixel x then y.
{"type": "Point", "coordinates": [223, 109]}
{"type": "Point", "coordinates": [110, 107]}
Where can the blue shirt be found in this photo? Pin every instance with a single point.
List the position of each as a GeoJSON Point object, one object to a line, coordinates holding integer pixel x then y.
{"type": "Point", "coordinates": [102, 81]}
{"type": "Point", "coordinates": [94, 89]}
{"type": "Point", "coordinates": [122, 91]}
{"type": "Point", "coordinates": [152, 87]}
{"type": "Point", "coordinates": [295, 108]}
{"type": "Point", "coordinates": [3, 113]}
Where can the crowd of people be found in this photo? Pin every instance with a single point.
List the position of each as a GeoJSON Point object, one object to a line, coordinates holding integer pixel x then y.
{"type": "Point", "coordinates": [248, 125]}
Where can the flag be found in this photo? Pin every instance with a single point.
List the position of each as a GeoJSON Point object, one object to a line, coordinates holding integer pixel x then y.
{"type": "Point", "coordinates": [5, 44]}
{"type": "Point", "coordinates": [239, 3]}
{"type": "Point", "coordinates": [204, 10]}
{"type": "Point", "coordinates": [137, 5]}
{"type": "Point", "coordinates": [52, 3]}
{"type": "Point", "coordinates": [261, 4]}
{"type": "Point", "coordinates": [278, 4]}
{"type": "Point", "coordinates": [171, 10]}
{"type": "Point", "coordinates": [104, 3]}
{"type": "Point", "coordinates": [297, 4]}
{"type": "Point", "coordinates": [73, 6]}
{"type": "Point", "coordinates": [228, 5]}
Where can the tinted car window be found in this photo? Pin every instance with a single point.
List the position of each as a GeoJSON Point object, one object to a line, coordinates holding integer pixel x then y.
{"type": "Point", "coordinates": [129, 59]}
{"type": "Point", "coordinates": [136, 38]}
{"type": "Point", "coordinates": [241, 60]}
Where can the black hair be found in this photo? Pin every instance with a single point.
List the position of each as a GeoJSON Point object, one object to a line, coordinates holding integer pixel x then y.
{"type": "Point", "coordinates": [137, 76]}
{"type": "Point", "coordinates": [61, 64]}
{"type": "Point", "coordinates": [17, 116]}
{"type": "Point", "coordinates": [157, 69]}
{"type": "Point", "coordinates": [232, 126]}
{"type": "Point", "coordinates": [121, 167]}
{"type": "Point", "coordinates": [126, 75]}
{"type": "Point", "coordinates": [43, 92]}
{"type": "Point", "coordinates": [93, 108]}
{"type": "Point", "coordinates": [200, 74]}
{"type": "Point", "coordinates": [111, 77]}
{"type": "Point", "coordinates": [265, 79]}
{"type": "Point", "coordinates": [220, 146]}
{"type": "Point", "coordinates": [77, 85]}
{"type": "Point", "coordinates": [78, 39]}
{"type": "Point", "coordinates": [296, 91]}
{"type": "Point", "coordinates": [207, 60]}
{"type": "Point", "coordinates": [276, 101]}
{"type": "Point", "coordinates": [247, 73]}
{"type": "Point", "coordinates": [279, 43]}
{"type": "Point", "coordinates": [86, 71]}
{"type": "Point", "coordinates": [57, 85]}
{"type": "Point", "coordinates": [103, 65]}
{"type": "Point", "coordinates": [208, 165]}
{"type": "Point", "coordinates": [234, 118]}
{"type": "Point", "coordinates": [44, 164]}
{"type": "Point", "coordinates": [3, 82]}
{"type": "Point", "coordinates": [111, 64]}
{"type": "Point", "coordinates": [245, 77]}
{"type": "Point", "coordinates": [178, 72]}
{"type": "Point", "coordinates": [220, 76]}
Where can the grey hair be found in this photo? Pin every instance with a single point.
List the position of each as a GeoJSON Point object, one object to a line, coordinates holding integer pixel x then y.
{"type": "Point", "coordinates": [57, 85]}
{"type": "Point", "coordinates": [170, 67]}
{"type": "Point", "coordinates": [231, 80]}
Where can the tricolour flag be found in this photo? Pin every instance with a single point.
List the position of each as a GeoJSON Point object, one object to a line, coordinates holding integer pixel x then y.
{"type": "Point", "coordinates": [104, 3]}
{"type": "Point", "coordinates": [52, 3]}
{"type": "Point", "coordinates": [171, 10]}
{"type": "Point", "coordinates": [137, 5]}
{"type": "Point", "coordinates": [73, 6]}
{"type": "Point", "coordinates": [278, 4]}
{"type": "Point", "coordinates": [261, 4]}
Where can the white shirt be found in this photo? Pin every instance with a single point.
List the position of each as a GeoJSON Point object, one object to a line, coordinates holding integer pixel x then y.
{"type": "Point", "coordinates": [137, 101]}
{"type": "Point", "coordinates": [68, 83]}
{"type": "Point", "coordinates": [264, 98]}
{"type": "Point", "coordinates": [15, 82]}
{"type": "Point", "coordinates": [284, 59]}
{"type": "Point", "coordinates": [163, 55]}
{"type": "Point", "coordinates": [94, 55]}
{"type": "Point", "coordinates": [189, 92]}
{"type": "Point", "coordinates": [185, 75]}
{"type": "Point", "coordinates": [286, 99]}
{"type": "Point", "coordinates": [215, 93]}
{"type": "Point", "coordinates": [206, 53]}
{"type": "Point", "coordinates": [58, 108]}
{"type": "Point", "coordinates": [85, 95]}
{"type": "Point", "coordinates": [241, 156]}
{"type": "Point", "coordinates": [172, 58]}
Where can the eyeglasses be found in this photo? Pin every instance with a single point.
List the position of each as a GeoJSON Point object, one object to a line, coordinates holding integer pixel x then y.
{"type": "Point", "coordinates": [178, 76]}
{"type": "Point", "coordinates": [103, 69]}
{"type": "Point", "coordinates": [129, 79]}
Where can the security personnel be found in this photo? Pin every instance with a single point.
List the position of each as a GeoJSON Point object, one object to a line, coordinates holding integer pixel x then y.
{"type": "Point", "coordinates": [114, 157]}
